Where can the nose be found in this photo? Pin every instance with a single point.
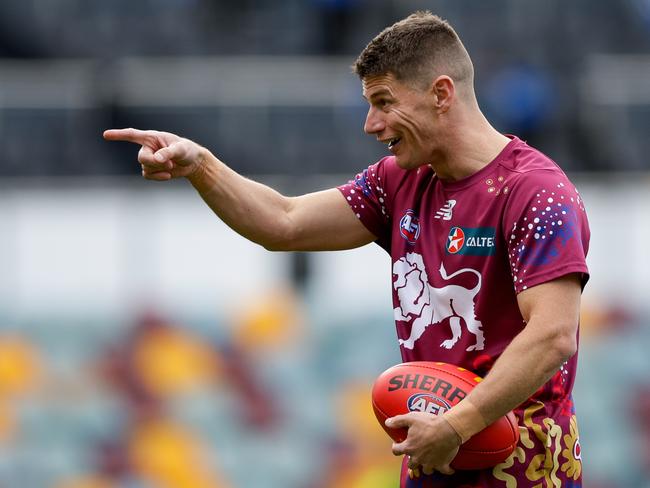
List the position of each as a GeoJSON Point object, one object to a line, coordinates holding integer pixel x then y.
{"type": "Point", "coordinates": [374, 122]}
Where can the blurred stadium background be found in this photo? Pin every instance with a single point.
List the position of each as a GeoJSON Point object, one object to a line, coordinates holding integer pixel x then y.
{"type": "Point", "coordinates": [142, 344]}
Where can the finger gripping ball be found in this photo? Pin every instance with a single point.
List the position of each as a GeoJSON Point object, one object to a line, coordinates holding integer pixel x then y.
{"type": "Point", "coordinates": [433, 387]}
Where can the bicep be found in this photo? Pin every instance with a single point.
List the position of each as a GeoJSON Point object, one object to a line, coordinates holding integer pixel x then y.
{"type": "Point", "coordinates": [555, 304]}
{"type": "Point", "coordinates": [323, 221]}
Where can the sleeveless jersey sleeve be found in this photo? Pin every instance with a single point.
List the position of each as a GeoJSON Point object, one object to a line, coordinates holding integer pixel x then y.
{"type": "Point", "coordinates": [367, 196]}
{"type": "Point", "coordinates": [546, 229]}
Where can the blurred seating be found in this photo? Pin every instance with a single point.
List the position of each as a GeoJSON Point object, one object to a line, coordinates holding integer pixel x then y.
{"type": "Point", "coordinates": [569, 118]}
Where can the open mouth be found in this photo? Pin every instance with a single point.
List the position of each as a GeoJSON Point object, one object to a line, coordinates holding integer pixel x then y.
{"type": "Point", "coordinates": [394, 142]}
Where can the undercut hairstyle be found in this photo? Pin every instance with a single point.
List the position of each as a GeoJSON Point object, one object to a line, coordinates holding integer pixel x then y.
{"type": "Point", "coordinates": [416, 50]}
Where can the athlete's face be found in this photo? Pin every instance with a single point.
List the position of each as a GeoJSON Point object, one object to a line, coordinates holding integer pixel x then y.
{"type": "Point", "coordinates": [402, 117]}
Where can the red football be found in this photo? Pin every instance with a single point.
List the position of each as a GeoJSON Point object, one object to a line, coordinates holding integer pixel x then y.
{"type": "Point", "coordinates": [424, 386]}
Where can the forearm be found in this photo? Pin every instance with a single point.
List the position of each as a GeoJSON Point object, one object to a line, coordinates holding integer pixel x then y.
{"type": "Point", "coordinates": [318, 221]}
{"type": "Point", "coordinates": [551, 312]}
{"type": "Point", "coordinates": [526, 364]}
{"type": "Point", "coordinates": [251, 209]}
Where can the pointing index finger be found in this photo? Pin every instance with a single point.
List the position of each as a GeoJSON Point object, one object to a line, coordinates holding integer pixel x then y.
{"type": "Point", "coordinates": [130, 135]}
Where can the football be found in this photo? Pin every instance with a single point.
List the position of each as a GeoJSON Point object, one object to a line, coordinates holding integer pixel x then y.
{"type": "Point", "coordinates": [433, 387]}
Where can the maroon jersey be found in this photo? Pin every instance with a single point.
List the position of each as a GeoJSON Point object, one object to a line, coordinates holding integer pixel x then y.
{"type": "Point", "coordinates": [461, 252]}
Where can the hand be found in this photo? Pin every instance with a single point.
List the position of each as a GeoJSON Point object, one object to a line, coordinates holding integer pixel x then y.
{"type": "Point", "coordinates": [431, 442]}
{"type": "Point", "coordinates": [163, 156]}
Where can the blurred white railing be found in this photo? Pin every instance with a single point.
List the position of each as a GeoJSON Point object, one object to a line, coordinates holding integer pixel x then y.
{"type": "Point", "coordinates": [107, 245]}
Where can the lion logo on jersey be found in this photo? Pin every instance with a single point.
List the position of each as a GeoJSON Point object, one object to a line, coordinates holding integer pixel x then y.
{"type": "Point", "coordinates": [427, 305]}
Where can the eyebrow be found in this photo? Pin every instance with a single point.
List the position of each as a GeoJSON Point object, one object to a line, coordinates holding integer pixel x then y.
{"type": "Point", "coordinates": [380, 93]}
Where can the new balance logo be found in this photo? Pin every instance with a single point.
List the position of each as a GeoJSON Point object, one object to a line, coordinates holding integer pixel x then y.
{"type": "Point", "coordinates": [445, 212]}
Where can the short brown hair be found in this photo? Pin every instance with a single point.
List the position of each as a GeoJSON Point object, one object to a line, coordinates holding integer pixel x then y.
{"type": "Point", "coordinates": [415, 50]}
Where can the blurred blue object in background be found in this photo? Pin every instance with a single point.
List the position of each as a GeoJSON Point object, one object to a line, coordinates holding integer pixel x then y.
{"type": "Point", "coordinates": [520, 99]}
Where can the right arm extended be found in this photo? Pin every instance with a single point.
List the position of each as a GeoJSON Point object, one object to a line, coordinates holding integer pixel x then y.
{"type": "Point", "coordinates": [313, 222]}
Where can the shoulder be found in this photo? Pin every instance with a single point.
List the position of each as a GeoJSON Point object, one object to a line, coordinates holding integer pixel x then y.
{"type": "Point", "coordinates": [531, 169]}
{"type": "Point", "coordinates": [388, 167]}
{"type": "Point", "coordinates": [524, 159]}
{"type": "Point", "coordinates": [387, 178]}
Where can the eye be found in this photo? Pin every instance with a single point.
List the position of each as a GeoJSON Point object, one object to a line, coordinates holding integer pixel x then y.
{"type": "Point", "coordinates": [382, 102]}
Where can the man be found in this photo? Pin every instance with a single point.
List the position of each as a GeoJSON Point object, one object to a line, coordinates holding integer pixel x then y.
{"type": "Point", "coordinates": [488, 240]}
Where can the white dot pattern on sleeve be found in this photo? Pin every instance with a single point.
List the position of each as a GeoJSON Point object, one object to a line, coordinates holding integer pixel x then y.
{"type": "Point", "coordinates": [547, 224]}
{"type": "Point", "coordinates": [362, 195]}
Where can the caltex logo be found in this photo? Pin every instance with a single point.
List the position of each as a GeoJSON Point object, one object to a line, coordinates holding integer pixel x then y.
{"type": "Point", "coordinates": [409, 227]}
{"type": "Point", "coordinates": [475, 241]}
{"type": "Point", "coordinates": [456, 240]}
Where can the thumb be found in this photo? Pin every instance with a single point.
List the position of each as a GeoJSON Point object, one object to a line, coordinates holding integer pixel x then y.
{"type": "Point", "coordinates": [398, 421]}
{"type": "Point", "coordinates": [175, 151]}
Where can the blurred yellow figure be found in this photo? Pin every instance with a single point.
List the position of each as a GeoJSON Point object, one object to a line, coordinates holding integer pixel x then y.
{"type": "Point", "coordinates": [269, 322]}
{"type": "Point", "coordinates": [368, 477]}
{"type": "Point", "coordinates": [168, 456]}
{"type": "Point", "coordinates": [170, 361]}
{"type": "Point", "coordinates": [19, 371]}
{"type": "Point", "coordinates": [354, 406]}
{"type": "Point", "coordinates": [19, 366]}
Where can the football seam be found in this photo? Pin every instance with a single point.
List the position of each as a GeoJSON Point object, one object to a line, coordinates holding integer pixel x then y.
{"type": "Point", "coordinates": [381, 410]}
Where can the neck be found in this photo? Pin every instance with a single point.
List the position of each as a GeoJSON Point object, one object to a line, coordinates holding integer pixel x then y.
{"type": "Point", "coordinates": [470, 145]}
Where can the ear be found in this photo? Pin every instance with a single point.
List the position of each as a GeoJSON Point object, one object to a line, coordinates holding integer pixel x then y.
{"type": "Point", "coordinates": [444, 92]}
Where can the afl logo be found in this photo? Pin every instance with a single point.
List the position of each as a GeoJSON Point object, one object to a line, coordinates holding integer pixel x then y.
{"type": "Point", "coordinates": [456, 240]}
{"type": "Point", "coordinates": [409, 227]}
{"type": "Point", "coordinates": [428, 403]}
